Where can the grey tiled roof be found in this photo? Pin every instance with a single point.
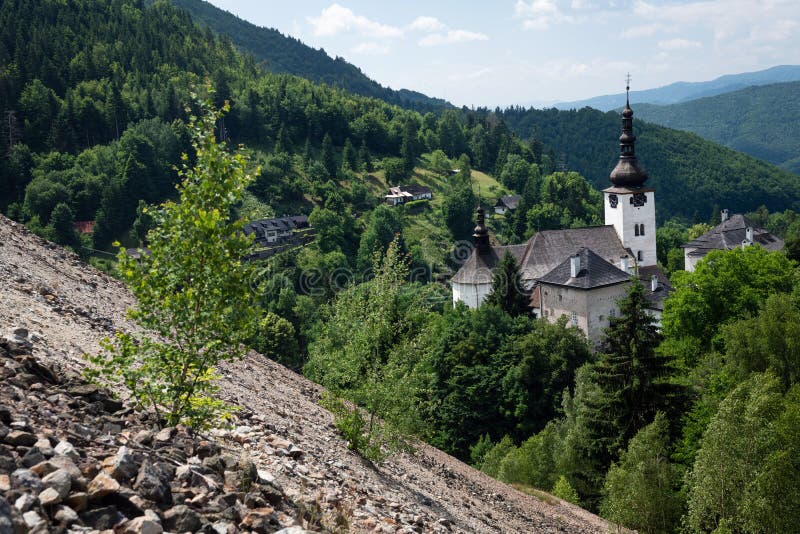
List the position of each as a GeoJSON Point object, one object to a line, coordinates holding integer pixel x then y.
{"type": "Point", "coordinates": [509, 201]}
{"type": "Point", "coordinates": [549, 248]}
{"type": "Point", "coordinates": [663, 287]}
{"type": "Point", "coordinates": [730, 234]}
{"type": "Point", "coordinates": [478, 267]}
{"type": "Point", "coordinates": [594, 272]}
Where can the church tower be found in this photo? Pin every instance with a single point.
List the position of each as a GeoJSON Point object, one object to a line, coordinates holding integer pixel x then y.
{"type": "Point", "coordinates": [629, 205]}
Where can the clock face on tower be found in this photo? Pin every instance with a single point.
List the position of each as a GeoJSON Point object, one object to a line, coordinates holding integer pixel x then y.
{"type": "Point", "coordinates": [639, 199]}
{"type": "Point", "coordinates": [613, 200]}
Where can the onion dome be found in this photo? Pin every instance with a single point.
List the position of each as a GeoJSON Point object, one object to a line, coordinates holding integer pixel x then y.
{"type": "Point", "coordinates": [481, 234]}
{"type": "Point", "coordinates": [628, 173]}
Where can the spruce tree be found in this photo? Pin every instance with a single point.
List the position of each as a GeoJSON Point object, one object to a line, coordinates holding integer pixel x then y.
{"type": "Point", "coordinates": [328, 157]}
{"type": "Point", "coordinates": [507, 290]}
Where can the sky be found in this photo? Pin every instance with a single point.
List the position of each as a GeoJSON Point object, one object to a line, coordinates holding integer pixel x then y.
{"type": "Point", "coordinates": [537, 52]}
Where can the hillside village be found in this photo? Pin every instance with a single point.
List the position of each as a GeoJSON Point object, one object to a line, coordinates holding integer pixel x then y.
{"type": "Point", "coordinates": [246, 288]}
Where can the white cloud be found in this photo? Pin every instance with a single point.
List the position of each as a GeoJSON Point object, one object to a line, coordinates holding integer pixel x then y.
{"type": "Point", "coordinates": [679, 44]}
{"type": "Point", "coordinates": [539, 14]}
{"type": "Point", "coordinates": [645, 30]}
{"type": "Point", "coordinates": [371, 48]}
{"type": "Point", "coordinates": [426, 24]}
{"type": "Point", "coordinates": [451, 37]}
{"type": "Point", "coordinates": [336, 19]}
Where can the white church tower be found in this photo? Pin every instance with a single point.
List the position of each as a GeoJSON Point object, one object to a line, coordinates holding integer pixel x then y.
{"type": "Point", "coordinates": [629, 206]}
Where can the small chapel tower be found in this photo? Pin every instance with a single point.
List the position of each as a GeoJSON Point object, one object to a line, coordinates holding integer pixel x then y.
{"type": "Point", "coordinates": [629, 205]}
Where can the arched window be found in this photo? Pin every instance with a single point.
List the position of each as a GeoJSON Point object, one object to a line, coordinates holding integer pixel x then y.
{"type": "Point", "coordinates": [641, 229]}
{"type": "Point", "coordinates": [636, 229]}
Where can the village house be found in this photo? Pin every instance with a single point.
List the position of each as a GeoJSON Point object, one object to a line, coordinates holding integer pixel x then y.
{"type": "Point", "coordinates": [506, 203]}
{"type": "Point", "coordinates": [734, 231]}
{"type": "Point", "coordinates": [581, 273]}
{"type": "Point", "coordinates": [406, 193]}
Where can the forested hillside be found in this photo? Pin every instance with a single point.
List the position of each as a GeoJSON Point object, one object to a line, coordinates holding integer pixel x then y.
{"type": "Point", "coordinates": [686, 91]}
{"type": "Point", "coordinates": [283, 54]}
{"type": "Point", "coordinates": [762, 121]}
{"type": "Point", "coordinates": [691, 427]}
{"type": "Point", "coordinates": [690, 174]}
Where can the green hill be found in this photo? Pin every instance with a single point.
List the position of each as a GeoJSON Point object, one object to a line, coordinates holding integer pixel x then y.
{"type": "Point", "coordinates": [283, 54]}
{"type": "Point", "coordinates": [690, 174]}
{"type": "Point", "coordinates": [762, 121]}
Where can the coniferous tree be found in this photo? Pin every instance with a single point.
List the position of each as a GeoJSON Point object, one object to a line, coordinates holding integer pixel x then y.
{"type": "Point", "coordinates": [328, 157]}
{"type": "Point", "coordinates": [364, 158]}
{"type": "Point", "coordinates": [507, 290]}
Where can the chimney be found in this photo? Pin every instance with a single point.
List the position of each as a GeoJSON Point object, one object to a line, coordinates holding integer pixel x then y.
{"type": "Point", "coordinates": [748, 235]}
{"type": "Point", "coordinates": [574, 265]}
{"type": "Point", "coordinates": [723, 215]}
{"type": "Point", "coordinates": [653, 283]}
{"type": "Point", "coordinates": [623, 264]}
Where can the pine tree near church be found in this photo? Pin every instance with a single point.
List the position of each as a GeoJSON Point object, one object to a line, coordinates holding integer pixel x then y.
{"type": "Point", "coordinates": [507, 290]}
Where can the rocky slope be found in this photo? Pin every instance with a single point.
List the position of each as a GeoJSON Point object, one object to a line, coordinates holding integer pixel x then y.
{"type": "Point", "coordinates": [282, 466]}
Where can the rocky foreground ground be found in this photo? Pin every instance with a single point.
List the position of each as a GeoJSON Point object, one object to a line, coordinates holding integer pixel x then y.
{"type": "Point", "coordinates": [74, 459]}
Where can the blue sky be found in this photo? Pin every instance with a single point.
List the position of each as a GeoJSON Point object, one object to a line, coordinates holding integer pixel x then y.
{"type": "Point", "coordinates": [538, 51]}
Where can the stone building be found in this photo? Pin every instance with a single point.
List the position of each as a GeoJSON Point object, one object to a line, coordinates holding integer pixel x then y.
{"type": "Point", "coordinates": [581, 272]}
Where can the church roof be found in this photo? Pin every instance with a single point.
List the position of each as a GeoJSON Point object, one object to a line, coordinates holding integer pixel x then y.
{"type": "Point", "coordinates": [730, 234]}
{"type": "Point", "coordinates": [593, 272]}
{"type": "Point", "coordinates": [544, 252]}
{"type": "Point", "coordinates": [548, 248]}
{"type": "Point", "coordinates": [478, 267]}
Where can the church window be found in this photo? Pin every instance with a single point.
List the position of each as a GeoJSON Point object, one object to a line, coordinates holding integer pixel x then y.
{"type": "Point", "coordinates": [636, 229]}
{"type": "Point", "coordinates": [613, 200]}
{"type": "Point", "coordinates": [638, 200]}
{"type": "Point", "coordinates": [639, 256]}
{"type": "Point", "coordinates": [575, 318]}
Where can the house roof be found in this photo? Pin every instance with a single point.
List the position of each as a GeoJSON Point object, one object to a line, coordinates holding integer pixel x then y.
{"type": "Point", "coordinates": [730, 234]}
{"type": "Point", "coordinates": [410, 189]}
{"type": "Point", "coordinates": [288, 222]}
{"type": "Point", "coordinates": [594, 272]}
{"type": "Point", "coordinates": [508, 201]}
{"type": "Point", "coordinates": [663, 287]}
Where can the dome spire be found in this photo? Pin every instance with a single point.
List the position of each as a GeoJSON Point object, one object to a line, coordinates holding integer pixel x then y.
{"type": "Point", "coordinates": [481, 235]}
{"type": "Point", "coordinates": [628, 173]}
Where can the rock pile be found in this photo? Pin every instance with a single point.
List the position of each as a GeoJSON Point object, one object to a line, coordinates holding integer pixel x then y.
{"type": "Point", "coordinates": [74, 459]}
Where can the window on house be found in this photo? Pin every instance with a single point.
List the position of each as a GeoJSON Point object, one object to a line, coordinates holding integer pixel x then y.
{"type": "Point", "coordinates": [641, 229]}
{"type": "Point", "coordinates": [639, 256]}
{"type": "Point", "coordinates": [635, 229]}
{"type": "Point", "coordinates": [575, 318]}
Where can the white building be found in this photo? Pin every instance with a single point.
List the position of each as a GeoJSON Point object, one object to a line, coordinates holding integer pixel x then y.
{"type": "Point", "coordinates": [734, 231]}
{"type": "Point", "coordinates": [581, 272]}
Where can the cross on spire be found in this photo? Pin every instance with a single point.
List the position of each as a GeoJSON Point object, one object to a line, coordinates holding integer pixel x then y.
{"type": "Point", "coordinates": [627, 88]}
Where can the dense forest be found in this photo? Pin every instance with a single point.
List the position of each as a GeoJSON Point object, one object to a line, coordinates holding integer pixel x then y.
{"type": "Point", "coordinates": [760, 121]}
{"type": "Point", "coordinates": [688, 173]}
{"type": "Point", "coordinates": [692, 427]}
{"type": "Point", "coordinates": [282, 54]}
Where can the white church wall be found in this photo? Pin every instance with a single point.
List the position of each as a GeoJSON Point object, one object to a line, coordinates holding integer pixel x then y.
{"type": "Point", "coordinates": [592, 307]}
{"type": "Point", "coordinates": [472, 295]}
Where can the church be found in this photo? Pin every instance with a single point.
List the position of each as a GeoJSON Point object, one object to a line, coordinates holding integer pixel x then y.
{"type": "Point", "coordinates": [581, 273]}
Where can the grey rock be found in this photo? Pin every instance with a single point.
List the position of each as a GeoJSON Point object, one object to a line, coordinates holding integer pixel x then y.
{"type": "Point", "coordinates": [293, 530]}
{"type": "Point", "coordinates": [44, 447]}
{"type": "Point", "coordinates": [144, 437]}
{"type": "Point", "coordinates": [15, 438]}
{"type": "Point", "coordinates": [32, 457]}
{"type": "Point", "coordinates": [165, 435]}
{"type": "Point", "coordinates": [141, 525]}
{"type": "Point", "coordinates": [49, 497]}
{"type": "Point", "coordinates": [223, 527]}
{"type": "Point", "coordinates": [66, 515]}
{"type": "Point", "coordinates": [152, 483]}
{"type": "Point", "coordinates": [102, 518]}
{"type": "Point", "coordinates": [25, 502]}
{"type": "Point", "coordinates": [60, 480]}
{"type": "Point", "coordinates": [77, 501]}
{"type": "Point", "coordinates": [181, 518]}
{"type": "Point", "coordinates": [6, 517]}
{"type": "Point", "coordinates": [26, 479]}
{"type": "Point", "coordinates": [122, 466]}
{"type": "Point", "coordinates": [65, 448]}
{"type": "Point", "coordinates": [33, 520]}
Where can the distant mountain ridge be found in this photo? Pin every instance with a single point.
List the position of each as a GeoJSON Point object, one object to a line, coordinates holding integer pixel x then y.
{"type": "Point", "coordinates": [283, 54]}
{"type": "Point", "coordinates": [762, 121]}
{"type": "Point", "coordinates": [685, 91]}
